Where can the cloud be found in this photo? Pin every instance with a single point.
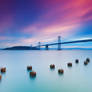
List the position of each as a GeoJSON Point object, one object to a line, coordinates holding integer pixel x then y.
{"type": "Point", "coordinates": [50, 19]}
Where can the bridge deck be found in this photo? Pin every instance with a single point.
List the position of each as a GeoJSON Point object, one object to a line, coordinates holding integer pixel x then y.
{"type": "Point", "coordinates": [77, 41]}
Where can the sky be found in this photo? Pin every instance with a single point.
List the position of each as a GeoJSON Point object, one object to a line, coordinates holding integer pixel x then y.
{"type": "Point", "coordinates": [26, 22]}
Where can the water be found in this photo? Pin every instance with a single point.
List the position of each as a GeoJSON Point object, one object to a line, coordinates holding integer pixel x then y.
{"type": "Point", "coordinates": [75, 79]}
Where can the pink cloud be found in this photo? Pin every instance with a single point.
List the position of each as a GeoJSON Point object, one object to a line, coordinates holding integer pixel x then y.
{"type": "Point", "coordinates": [63, 19]}
{"type": "Point", "coordinates": [60, 17]}
{"type": "Point", "coordinates": [64, 13]}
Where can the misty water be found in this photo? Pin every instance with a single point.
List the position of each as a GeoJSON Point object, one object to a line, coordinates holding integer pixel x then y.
{"type": "Point", "coordinates": [78, 78]}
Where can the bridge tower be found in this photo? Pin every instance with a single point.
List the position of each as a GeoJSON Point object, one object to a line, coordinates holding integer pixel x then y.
{"type": "Point", "coordinates": [47, 47]}
{"type": "Point", "coordinates": [39, 45]}
{"type": "Point", "coordinates": [59, 41]}
{"type": "Point", "coordinates": [31, 45]}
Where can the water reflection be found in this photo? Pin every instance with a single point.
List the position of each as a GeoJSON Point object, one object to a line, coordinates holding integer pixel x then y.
{"type": "Point", "coordinates": [0, 80]}
{"type": "Point", "coordinates": [52, 69]}
{"type": "Point", "coordinates": [60, 74]}
{"type": "Point", "coordinates": [32, 78]}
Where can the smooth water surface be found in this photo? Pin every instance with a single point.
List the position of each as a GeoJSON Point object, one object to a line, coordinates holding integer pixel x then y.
{"type": "Point", "coordinates": [75, 79]}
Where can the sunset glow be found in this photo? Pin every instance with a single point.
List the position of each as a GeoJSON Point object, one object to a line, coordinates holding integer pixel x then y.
{"type": "Point", "coordinates": [25, 22]}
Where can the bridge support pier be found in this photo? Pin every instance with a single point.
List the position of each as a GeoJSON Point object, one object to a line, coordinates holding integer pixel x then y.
{"type": "Point", "coordinates": [59, 46]}
{"type": "Point", "coordinates": [39, 45]}
{"type": "Point", "coordinates": [47, 47]}
{"type": "Point", "coordinates": [59, 41]}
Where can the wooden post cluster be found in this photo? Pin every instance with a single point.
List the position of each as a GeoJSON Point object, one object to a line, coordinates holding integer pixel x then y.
{"type": "Point", "coordinates": [76, 61]}
{"type": "Point", "coordinates": [87, 61]}
{"type": "Point", "coordinates": [0, 77]}
{"type": "Point", "coordinates": [31, 73]}
{"type": "Point", "coordinates": [69, 64]}
{"type": "Point", "coordinates": [52, 66]}
{"type": "Point", "coordinates": [29, 68]}
{"type": "Point", "coordinates": [60, 71]}
{"type": "Point", "coordinates": [2, 70]}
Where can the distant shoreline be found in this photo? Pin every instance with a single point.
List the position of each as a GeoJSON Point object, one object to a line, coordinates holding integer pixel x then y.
{"type": "Point", "coordinates": [35, 48]}
{"type": "Point", "coordinates": [21, 48]}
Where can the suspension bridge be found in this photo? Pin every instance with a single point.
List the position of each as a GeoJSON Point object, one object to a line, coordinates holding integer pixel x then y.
{"type": "Point", "coordinates": [59, 43]}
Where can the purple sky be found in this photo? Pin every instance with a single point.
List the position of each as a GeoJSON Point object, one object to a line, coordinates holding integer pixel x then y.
{"type": "Point", "coordinates": [25, 22]}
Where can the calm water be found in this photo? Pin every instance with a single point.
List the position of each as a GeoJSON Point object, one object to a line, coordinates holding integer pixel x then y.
{"type": "Point", "coordinates": [75, 79]}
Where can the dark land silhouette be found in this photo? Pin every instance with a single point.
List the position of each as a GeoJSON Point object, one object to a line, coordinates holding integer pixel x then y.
{"type": "Point", "coordinates": [21, 48]}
